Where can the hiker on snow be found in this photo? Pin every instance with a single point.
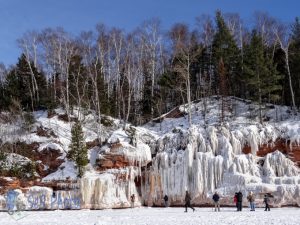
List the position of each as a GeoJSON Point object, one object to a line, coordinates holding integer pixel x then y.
{"type": "Point", "coordinates": [188, 201]}
{"type": "Point", "coordinates": [239, 201]}
{"type": "Point", "coordinates": [132, 200]}
{"type": "Point", "coordinates": [235, 201]}
{"type": "Point", "coordinates": [266, 201]}
{"type": "Point", "coordinates": [166, 200]}
{"type": "Point", "coordinates": [251, 199]}
{"type": "Point", "coordinates": [216, 199]}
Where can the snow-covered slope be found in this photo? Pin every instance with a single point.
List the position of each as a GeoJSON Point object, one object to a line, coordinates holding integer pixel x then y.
{"type": "Point", "coordinates": [169, 157]}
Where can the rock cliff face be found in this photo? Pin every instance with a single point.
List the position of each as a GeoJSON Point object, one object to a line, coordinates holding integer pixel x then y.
{"type": "Point", "coordinates": [165, 156]}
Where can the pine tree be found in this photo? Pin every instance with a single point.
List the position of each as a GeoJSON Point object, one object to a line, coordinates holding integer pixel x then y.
{"type": "Point", "coordinates": [147, 102]}
{"type": "Point", "coordinates": [19, 85]}
{"type": "Point", "coordinates": [224, 47]}
{"type": "Point", "coordinates": [77, 149]}
{"type": "Point", "coordinates": [295, 59]}
{"type": "Point", "coordinates": [2, 96]}
{"type": "Point", "coordinates": [77, 82]}
{"type": "Point", "coordinates": [106, 99]}
{"type": "Point", "coordinates": [261, 78]}
{"type": "Point", "coordinates": [171, 87]}
{"type": "Point", "coordinates": [3, 73]}
{"type": "Point", "coordinates": [223, 89]}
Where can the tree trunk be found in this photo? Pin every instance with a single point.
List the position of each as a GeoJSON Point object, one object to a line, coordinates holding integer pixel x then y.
{"type": "Point", "coordinates": [290, 78]}
{"type": "Point", "coordinates": [189, 92]}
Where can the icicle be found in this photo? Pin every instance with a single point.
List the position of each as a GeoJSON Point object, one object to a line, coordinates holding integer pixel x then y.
{"type": "Point", "coordinates": [236, 144]}
{"type": "Point", "coordinates": [276, 164]}
{"type": "Point", "coordinates": [213, 139]}
{"type": "Point", "coordinates": [253, 140]}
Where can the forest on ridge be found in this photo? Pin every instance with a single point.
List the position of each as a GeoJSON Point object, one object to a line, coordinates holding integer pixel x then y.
{"type": "Point", "coordinates": [136, 76]}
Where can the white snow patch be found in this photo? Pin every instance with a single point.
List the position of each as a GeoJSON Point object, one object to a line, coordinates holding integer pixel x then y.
{"type": "Point", "coordinates": [65, 171]}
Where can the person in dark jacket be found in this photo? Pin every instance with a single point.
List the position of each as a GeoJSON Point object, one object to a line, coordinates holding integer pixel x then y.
{"type": "Point", "coordinates": [251, 199]}
{"type": "Point", "coordinates": [216, 199]}
{"type": "Point", "coordinates": [132, 200]}
{"type": "Point", "coordinates": [267, 201]}
{"type": "Point", "coordinates": [166, 200]}
{"type": "Point", "coordinates": [240, 201]}
{"type": "Point", "coordinates": [188, 201]}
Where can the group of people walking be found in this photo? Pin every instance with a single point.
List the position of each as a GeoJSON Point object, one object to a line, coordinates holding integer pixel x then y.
{"type": "Point", "coordinates": [238, 200]}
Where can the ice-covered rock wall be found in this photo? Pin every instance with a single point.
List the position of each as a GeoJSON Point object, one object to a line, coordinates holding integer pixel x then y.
{"type": "Point", "coordinates": [109, 190]}
{"type": "Point", "coordinates": [112, 188]}
{"type": "Point", "coordinates": [203, 161]}
{"type": "Point", "coordinates": [170, 158]}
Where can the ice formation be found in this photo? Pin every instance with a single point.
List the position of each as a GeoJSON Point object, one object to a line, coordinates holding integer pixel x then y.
{"type": "Point", "coordinates": [215, 163]}
{"type": "Point", "coordinates": [108, 190]}
{"type": "Point", "coordinates": [170, 158]}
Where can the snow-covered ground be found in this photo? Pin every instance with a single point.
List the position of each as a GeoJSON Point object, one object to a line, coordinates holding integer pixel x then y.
{"type": "Point", "coordinates": [157, 216]}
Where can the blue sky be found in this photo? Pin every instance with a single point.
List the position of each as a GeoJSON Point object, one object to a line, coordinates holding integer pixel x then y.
{"type": "Point", "coordinates": [19, 16]}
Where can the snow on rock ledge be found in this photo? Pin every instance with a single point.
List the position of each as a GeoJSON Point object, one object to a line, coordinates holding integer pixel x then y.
{"type": "Point", "coordinates": [66, 171]}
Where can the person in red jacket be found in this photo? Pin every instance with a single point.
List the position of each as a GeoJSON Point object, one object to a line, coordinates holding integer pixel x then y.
{"type": "Point", "coordinates": [235, 201]}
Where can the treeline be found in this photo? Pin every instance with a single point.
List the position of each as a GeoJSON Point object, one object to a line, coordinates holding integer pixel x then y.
{"type": "Point", "coordinates": [136, 76]}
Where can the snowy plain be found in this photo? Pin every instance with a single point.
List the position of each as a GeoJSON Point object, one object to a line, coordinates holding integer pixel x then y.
{"type": "Point", "coordinates": [156, 216]}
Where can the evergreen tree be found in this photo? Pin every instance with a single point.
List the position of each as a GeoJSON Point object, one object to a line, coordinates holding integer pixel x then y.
{"type": "Point", "coordinates": [3, 74]}
{"type": "Point", "coordinates": [2, 96]}
{"type": "Point", "coordinates": [78, 82]}
{"type": "Point", "coordinates": [19, 85]}
{"type": "Point", "coordinates": [295, 59]}
{"type": "Point", "coordinates": [197, 52]}
{"type": "Point", "coordinates": [147, 102]}
{"type": "Point", "coordinates": [41, 98]}
{"type": "Point", "coordinates": [223, 89]}
{"type": "Point", "coordinates": [224, 47]}
{"type": "Point", "coordinates": [171, 89]}
{"type": "Point", "coordinates": [261, 78]}
{"type": "Point", "coordinates": [77, 149]}
{"type": "Point", "coordinates": [106, 99]}
{"type": "Point", "coordinates": [14, 86]}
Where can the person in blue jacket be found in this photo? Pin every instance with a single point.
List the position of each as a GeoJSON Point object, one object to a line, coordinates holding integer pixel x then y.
{"type": "Point", "coordinates": [216, 199]}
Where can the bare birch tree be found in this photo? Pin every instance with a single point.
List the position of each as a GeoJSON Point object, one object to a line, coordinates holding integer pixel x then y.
{"type": "Point", "coordinates": [283, 38]}
{"type": "Point", "coordinates": [152, 35]}
{"type": "Point", "coordinates": [206, 29]}
{"type": "Point", "coordinates": [132, 72]}
{"type": "Point", "coordinates": [58, 50]}
{"type": "Point", "coordinates": [117, 42]}
{"type": "Point", "coordinates": [184, 56]}
{"type": "Point", "coordinates": [28, 43]}
{"type": "Point", "coordinates": [92, 63]}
